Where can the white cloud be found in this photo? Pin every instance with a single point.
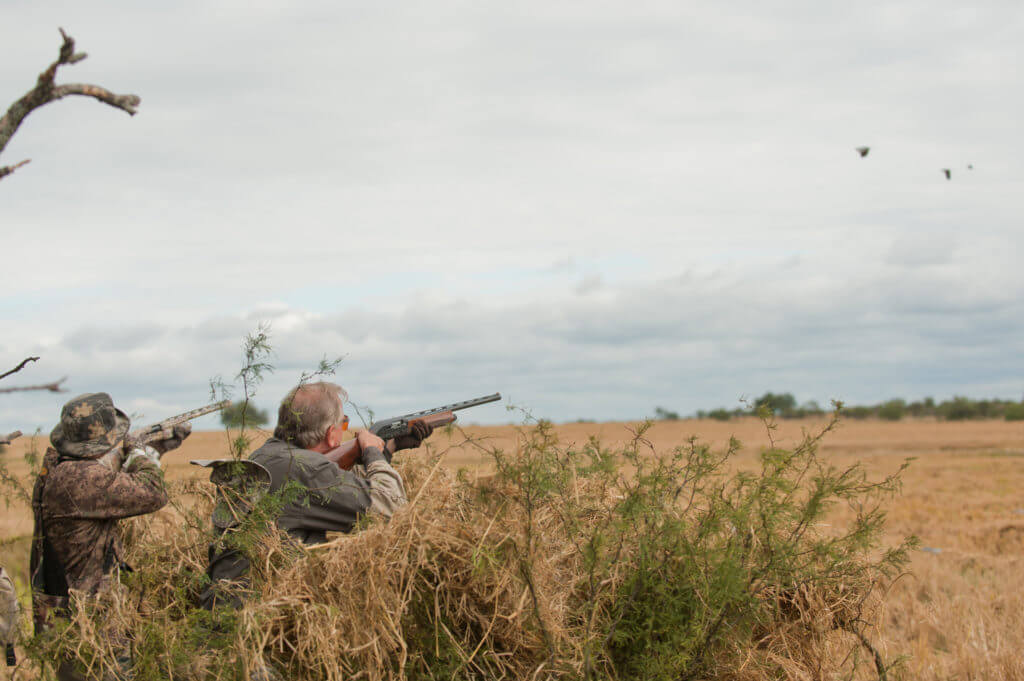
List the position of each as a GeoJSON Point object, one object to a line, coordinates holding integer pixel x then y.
{"type": "Point", "coordinates": [683, 342]}
{"type": "Point", "coordinates": [589, 284]}
{"type": "Point", "coordinates": [428, 190]}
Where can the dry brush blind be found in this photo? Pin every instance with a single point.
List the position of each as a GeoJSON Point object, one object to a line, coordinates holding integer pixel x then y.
{"type": "Point", "coordinates": [568, 562]}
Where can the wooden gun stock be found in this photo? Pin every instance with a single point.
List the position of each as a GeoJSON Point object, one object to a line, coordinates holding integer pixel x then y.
{"type": "Point", "coordinates": [347, 453]}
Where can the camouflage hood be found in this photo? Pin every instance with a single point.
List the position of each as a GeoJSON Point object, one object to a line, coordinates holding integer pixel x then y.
{"type": "Point", "coordinates": [90, 426]}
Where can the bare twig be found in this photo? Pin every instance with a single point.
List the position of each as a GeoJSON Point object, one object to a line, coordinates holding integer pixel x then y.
{"type": "Point", "coordinates": [19, 367]}
{"type": "Point", "coordinates": [47, 91]}
{"type": "Point", "coordinates": [52, 387]}
{"type": "Point", "coordinates": [7, 170]}
{"type": "Point", "coordinates": [10, 437]}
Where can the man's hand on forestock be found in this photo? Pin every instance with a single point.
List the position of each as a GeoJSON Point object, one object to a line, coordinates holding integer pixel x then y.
{"type": "Point", "coordinates": [420, 431]}
{"type": "Point", "coordinates": [178, 435]}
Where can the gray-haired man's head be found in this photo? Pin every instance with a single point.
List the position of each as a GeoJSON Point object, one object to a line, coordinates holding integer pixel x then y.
{"type": "Point", "coordinates": [307, 411]}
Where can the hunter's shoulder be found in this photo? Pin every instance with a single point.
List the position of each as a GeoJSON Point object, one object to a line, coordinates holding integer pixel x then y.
{"type": "Point", "coordinates": [274, 448]}
{"type": "Point", "coordinates": [277, 453]}
{"type": "Point", "coordinates": [78, 471]}
{"type": "Point", "coordinates": [77, 481]}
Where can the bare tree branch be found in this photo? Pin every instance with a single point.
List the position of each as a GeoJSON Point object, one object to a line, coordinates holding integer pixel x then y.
{"type": "Point", "coordinates": [20, 366]}
{"type": "Point", "coordinates": [7, 170]}
{"type": "Point", "coordinates": [47, 91]}
{"type": "Point", "coordinates": [52, 387]}
{"type": "Point", "coordinates": [10, 437]}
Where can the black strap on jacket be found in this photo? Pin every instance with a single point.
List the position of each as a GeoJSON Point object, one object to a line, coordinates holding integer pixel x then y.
{"type": "Point", "coordinates": [48, 579]}
{"type": "Point", "coordinates": [12, 659]}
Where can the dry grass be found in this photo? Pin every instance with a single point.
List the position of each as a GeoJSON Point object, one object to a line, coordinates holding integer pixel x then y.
{"type": "Point", "coordinates": [957, 615]}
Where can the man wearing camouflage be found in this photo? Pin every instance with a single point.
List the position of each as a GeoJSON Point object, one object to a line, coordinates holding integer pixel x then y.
{"type": "Point", "coordinates": [77, 501]}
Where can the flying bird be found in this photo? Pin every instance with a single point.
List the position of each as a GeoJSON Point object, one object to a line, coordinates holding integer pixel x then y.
{"type": "Point", "coordinates": [863, 151]}
{"type": "Point", "coordinates": [948, 172]}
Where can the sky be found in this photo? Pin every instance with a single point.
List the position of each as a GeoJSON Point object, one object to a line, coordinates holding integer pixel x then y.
{"type": "Point", "coordinates": [595, 208]}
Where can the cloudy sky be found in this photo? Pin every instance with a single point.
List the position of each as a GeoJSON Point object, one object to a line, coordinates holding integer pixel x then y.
{"type": "Point", "coordinates": [595, 208]}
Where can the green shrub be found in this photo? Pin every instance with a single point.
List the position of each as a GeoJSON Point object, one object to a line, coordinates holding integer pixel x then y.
{"type": "Point", "coordinates": [780, 404]}
{"type": "Point", "coordinates": [811, 408]}
{"type": "Point", "coordinates": [243, 413]}
{"type": "Point", "coordinates": [958, 409]}
{"type": "Point", "coordinates": [692, 563]}
{"type": "Point", "coordinates": [859, 413]}
{"type": "Point", "coordinates": [720, 414]}
{"type": "Point", "coordinates": [986, 409]}
{"type": "Point", "coordinates": [893, 410]}
{"type": "Point", "coordinates": [662, 414]}
{"type": "Point", "coordinates": [1014, 411]}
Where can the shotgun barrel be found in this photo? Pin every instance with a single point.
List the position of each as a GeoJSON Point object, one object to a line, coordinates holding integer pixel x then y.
{"type": "Point", "coordinates": [399, 425]}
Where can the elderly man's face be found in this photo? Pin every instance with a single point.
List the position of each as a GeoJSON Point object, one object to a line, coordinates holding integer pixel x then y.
{"type": "Point", "coordinates": [336, 431]}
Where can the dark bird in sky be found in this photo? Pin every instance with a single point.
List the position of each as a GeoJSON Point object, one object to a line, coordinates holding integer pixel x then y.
{"type": "Point", "coordinates": [863, 151]}
{"type": "Point", "coordinates": [948, 172]}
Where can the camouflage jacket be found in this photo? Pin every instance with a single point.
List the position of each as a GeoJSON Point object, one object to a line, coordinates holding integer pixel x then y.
{"type": "Point", "coordinates": [333, 498]}
{"type": "Point", "coordinates": [77, 503]}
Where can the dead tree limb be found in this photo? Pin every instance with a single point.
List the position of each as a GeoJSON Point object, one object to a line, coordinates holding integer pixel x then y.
{"type": "Point", "coordinates": [52, 387]}
{"type": "Point", "coordinates": [19, 367]}
{"type": "Point", "coordinates": [10, 437]}
{"type": "Point", "coordinates": [47, 91]}
{"type": "Point", "coordinates": [7, 170]}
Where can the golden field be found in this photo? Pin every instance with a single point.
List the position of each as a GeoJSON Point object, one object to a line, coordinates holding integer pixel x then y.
{"type": "Point", "coordinates": [957, 614]}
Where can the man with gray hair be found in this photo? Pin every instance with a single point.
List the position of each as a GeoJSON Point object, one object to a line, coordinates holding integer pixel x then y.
{"type": "Point", "coordinates": [311, 422]}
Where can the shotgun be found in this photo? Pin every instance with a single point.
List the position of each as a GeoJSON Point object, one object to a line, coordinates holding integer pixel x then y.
{"type": "Point", "coordinates": [160, 430]}
{"type": "Point", "coordinates": [346, 454]}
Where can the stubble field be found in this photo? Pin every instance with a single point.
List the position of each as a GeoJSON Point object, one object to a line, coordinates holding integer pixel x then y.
{"type": "Point", "coordinates": [957, 614]}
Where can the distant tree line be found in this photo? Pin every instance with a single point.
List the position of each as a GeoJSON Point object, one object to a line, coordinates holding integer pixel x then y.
{"type": "Point", "coordinates": [785, 405]}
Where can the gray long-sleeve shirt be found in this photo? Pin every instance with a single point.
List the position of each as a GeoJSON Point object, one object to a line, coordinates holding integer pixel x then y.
{"type": "Point", "coordinates": [334, 499]}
